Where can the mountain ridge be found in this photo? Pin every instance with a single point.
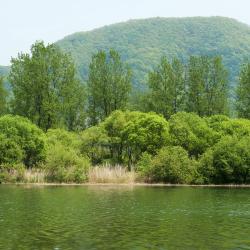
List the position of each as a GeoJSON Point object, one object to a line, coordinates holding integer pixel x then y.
{"type": "Point", "coordinates": [142, 42]}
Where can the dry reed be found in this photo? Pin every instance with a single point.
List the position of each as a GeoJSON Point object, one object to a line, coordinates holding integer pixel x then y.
{"type": "Point", "coordinates": [34, 176]}
{"type": "Point", "coordinates": [111, 174]}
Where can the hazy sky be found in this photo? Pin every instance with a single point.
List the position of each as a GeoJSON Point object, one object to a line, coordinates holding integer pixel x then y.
{"type": "Point", "coordinates": [25, 21]}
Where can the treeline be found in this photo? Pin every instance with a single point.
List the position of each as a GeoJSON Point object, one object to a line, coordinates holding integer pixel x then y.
{"type": "Point", "coordinates": [176, 130]}
{"type": "Point", "coordinates": [46, 89]}
{"type": "Point", "coordinates": [184, 149]}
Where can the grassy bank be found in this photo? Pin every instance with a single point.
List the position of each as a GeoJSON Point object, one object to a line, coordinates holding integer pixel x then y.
{"type": "Point", "coordinates": [104, 175]}
{"type": "Point", "coordinates": [187, 149]}
{"type": "Point", "coordinates": [98, 174]}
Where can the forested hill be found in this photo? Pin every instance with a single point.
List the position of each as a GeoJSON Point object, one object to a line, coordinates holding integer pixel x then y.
{"type": "Point", "coordinates": [142, 42]}
{"type": "Point", "coordinates": [4, 70]}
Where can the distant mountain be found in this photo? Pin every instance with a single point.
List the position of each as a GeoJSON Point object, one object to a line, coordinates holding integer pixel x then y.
{"type": "Point", "coordinates": [4, 70]}
{"type": "Point", "coordinates": [143, 42]}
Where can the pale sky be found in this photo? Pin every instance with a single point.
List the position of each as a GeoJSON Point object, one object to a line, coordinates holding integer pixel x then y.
{"type": "Point", "coordinates": [25, 21]}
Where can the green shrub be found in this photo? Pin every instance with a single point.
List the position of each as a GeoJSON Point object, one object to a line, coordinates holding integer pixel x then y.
{"type": "Point", "coordinates": [170, 165]}
{"type": "Point", "coordinates": [94, 144]}
{"type": "Point", "coordinates": [21, 141]}
{"type": "Point", "coordinates": [226, 126]}
{"type": "Point", "coordinates": [63, 164]}
{"type": "Point", "coordinates": [191, 132]}
{"type": "Point", "coordinates": [11, 173]}
{"type": "Point", "coordinates": [227, 162]}
{"type": "Point", "coordinates": [66, 138]}
{"type": "Point", "coordinates": [10, 151]}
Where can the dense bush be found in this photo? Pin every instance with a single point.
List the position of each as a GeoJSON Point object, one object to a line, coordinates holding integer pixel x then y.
{"type": "Point", "coordinates": [132, 133]}
{"type": "Point", "coordinates": [68, 139]}
{"type": "Point", "coordinates": [64, 161]}
{"type": "Point", "coordinates": [170, 165]}
{"type": "Point", "coordinates": [227, 162]}
{"type": "Point", "coordinates": [185, 149]}
{"type": "Point", "coordinates": [63, 164]}
{"type": "Point", "coordinates": [191, 132]}
{"type": "Point", "coordinates": [21, 141]}
{"type": "Point", "coordinates": [93, 144]}
{"type": "Point", "coordinates": [11, 173]}
{"type": "Point", "coordinates": [223, 125]}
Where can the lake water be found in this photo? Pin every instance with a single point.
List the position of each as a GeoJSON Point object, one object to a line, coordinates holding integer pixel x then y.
{"type": "Point", "coordinates": [119, 217]}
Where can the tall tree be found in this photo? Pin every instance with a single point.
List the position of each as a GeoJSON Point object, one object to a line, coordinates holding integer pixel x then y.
{"type": "Point", "coordinates": [3, 97]}
{"type": "Point", "coordinates": [109, 85]}
{"type": "Point", "coordinates": [243, 92]}
{"type": "Point", "coordinates": [207, 86]}
{"type": "Point", "coordinates": [167, 88]}
{"type": "Point", "coordinates": [45, 87]}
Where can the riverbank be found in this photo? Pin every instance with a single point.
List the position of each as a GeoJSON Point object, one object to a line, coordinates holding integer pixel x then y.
{"type": "Point", "coordinates": [131, 184]}
{"type": "Point", "coordinates": [97, 176]}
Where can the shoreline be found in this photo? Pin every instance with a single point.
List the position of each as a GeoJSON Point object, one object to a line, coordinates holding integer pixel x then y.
{"type": "Point", "coordinates": [131, 184]}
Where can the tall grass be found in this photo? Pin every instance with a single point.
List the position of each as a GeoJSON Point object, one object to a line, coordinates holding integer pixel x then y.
{"type": "Point", "coordinates": [34, 176]}
{"type": "Point", "coordinates": [97, 174]}
{"type": "Point", "coordinates": [111, 174]}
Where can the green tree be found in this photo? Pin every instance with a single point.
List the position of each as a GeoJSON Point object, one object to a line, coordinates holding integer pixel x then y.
{"type": "Point", "coordinates": [167, 88]}
{"type": "Point", "coordinates": [207, 86]}
{"type": "Point", "coordinates": [191, 132]}
{"type": "Point", "coordinates": [21, 141]}
{"type": "Point", "coordinates": [64, 161]}
{"type": "Point", "coordinates": [109, 85]}
{"type": "Point", "coordinates": [144, 132]}
{"type": "Point", "coordinates": [3, 97]}
{"type": "Point", "coordinates": [243, 92]}
{"type": "Point", "coordinates": [45, 87]}
{"type": "Point", "coordinates": [227, 162]}
{"type": "Point", "coordinates": [171, 165]}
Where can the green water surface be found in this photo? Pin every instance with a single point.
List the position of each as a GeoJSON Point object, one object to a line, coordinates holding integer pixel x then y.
{"type": "Point", "coordinates": [120, 217]}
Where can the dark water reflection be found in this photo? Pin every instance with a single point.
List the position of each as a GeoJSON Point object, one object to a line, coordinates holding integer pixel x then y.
{"type": "Point", "coordinates": [124, 218]}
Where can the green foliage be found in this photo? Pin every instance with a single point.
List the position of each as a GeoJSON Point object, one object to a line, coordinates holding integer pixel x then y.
{"type": "Point", "coordinates": [207, 86]}
{"type": "Point", "coordinates": [64, 160]}
{"type": "Point", "coordinates": [227, 162]}
{"type": "Point", "coordinates": [21, 141]}
{"type": "Point", "coordinates": [10, 151]}
{"type": "Point", "coordinates": [11, 173]}
{"type": "Point", "coordinates": [223, 126]}
{"type": "Point", "coordinates": [94, 144]}
{"type": "Point", "coordinates": [191, 132]}
{"type": "Point", "coordinates": [64, 164]}
{"type": "Point", "coordinates": [170, 165]}
{"type": "Point", "coordinates": [167, 88]}
{"type": "Point", "coordinates": [132, 133]}
{"type": "Point", "coordinates": [143, 42]}
{"type": "Point", "coordinates": [109, 84]}
{"type": "Point", "coordinates": [66, 138]}
{"type": "Point", "coordinates": [45, 88]}
{"type": "Point", "coordinates": [243, 90]}
{"type": "Point", "coordinates": [145, 132]}
{"type": "Point", "coordinates": [3, 97]}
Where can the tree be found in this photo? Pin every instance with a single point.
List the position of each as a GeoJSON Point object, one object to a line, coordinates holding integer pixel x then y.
{"type": "Point", "coordinates": [21, 141]}
{"type": "Point", "coordinates": [45, 87]}
{"type": "Point", "coordinates": [207, 86]}
{"type": "Point", "coordinates": [167, 88]}
{"type": "Point", "coordinates": [227, 162]}
{"type": "Point", "coordinates": [109, 85]}
{"type": "Point", "coordinates": [243, 92]}
{"type": "Point", "coordinates": [3, 97]}
{"type": "Point", "coordinates": [191, 132]}
{"type": "Point", "coordinates": [144, 132]}
{"type": "Point", "coordinates": [170, 165]}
